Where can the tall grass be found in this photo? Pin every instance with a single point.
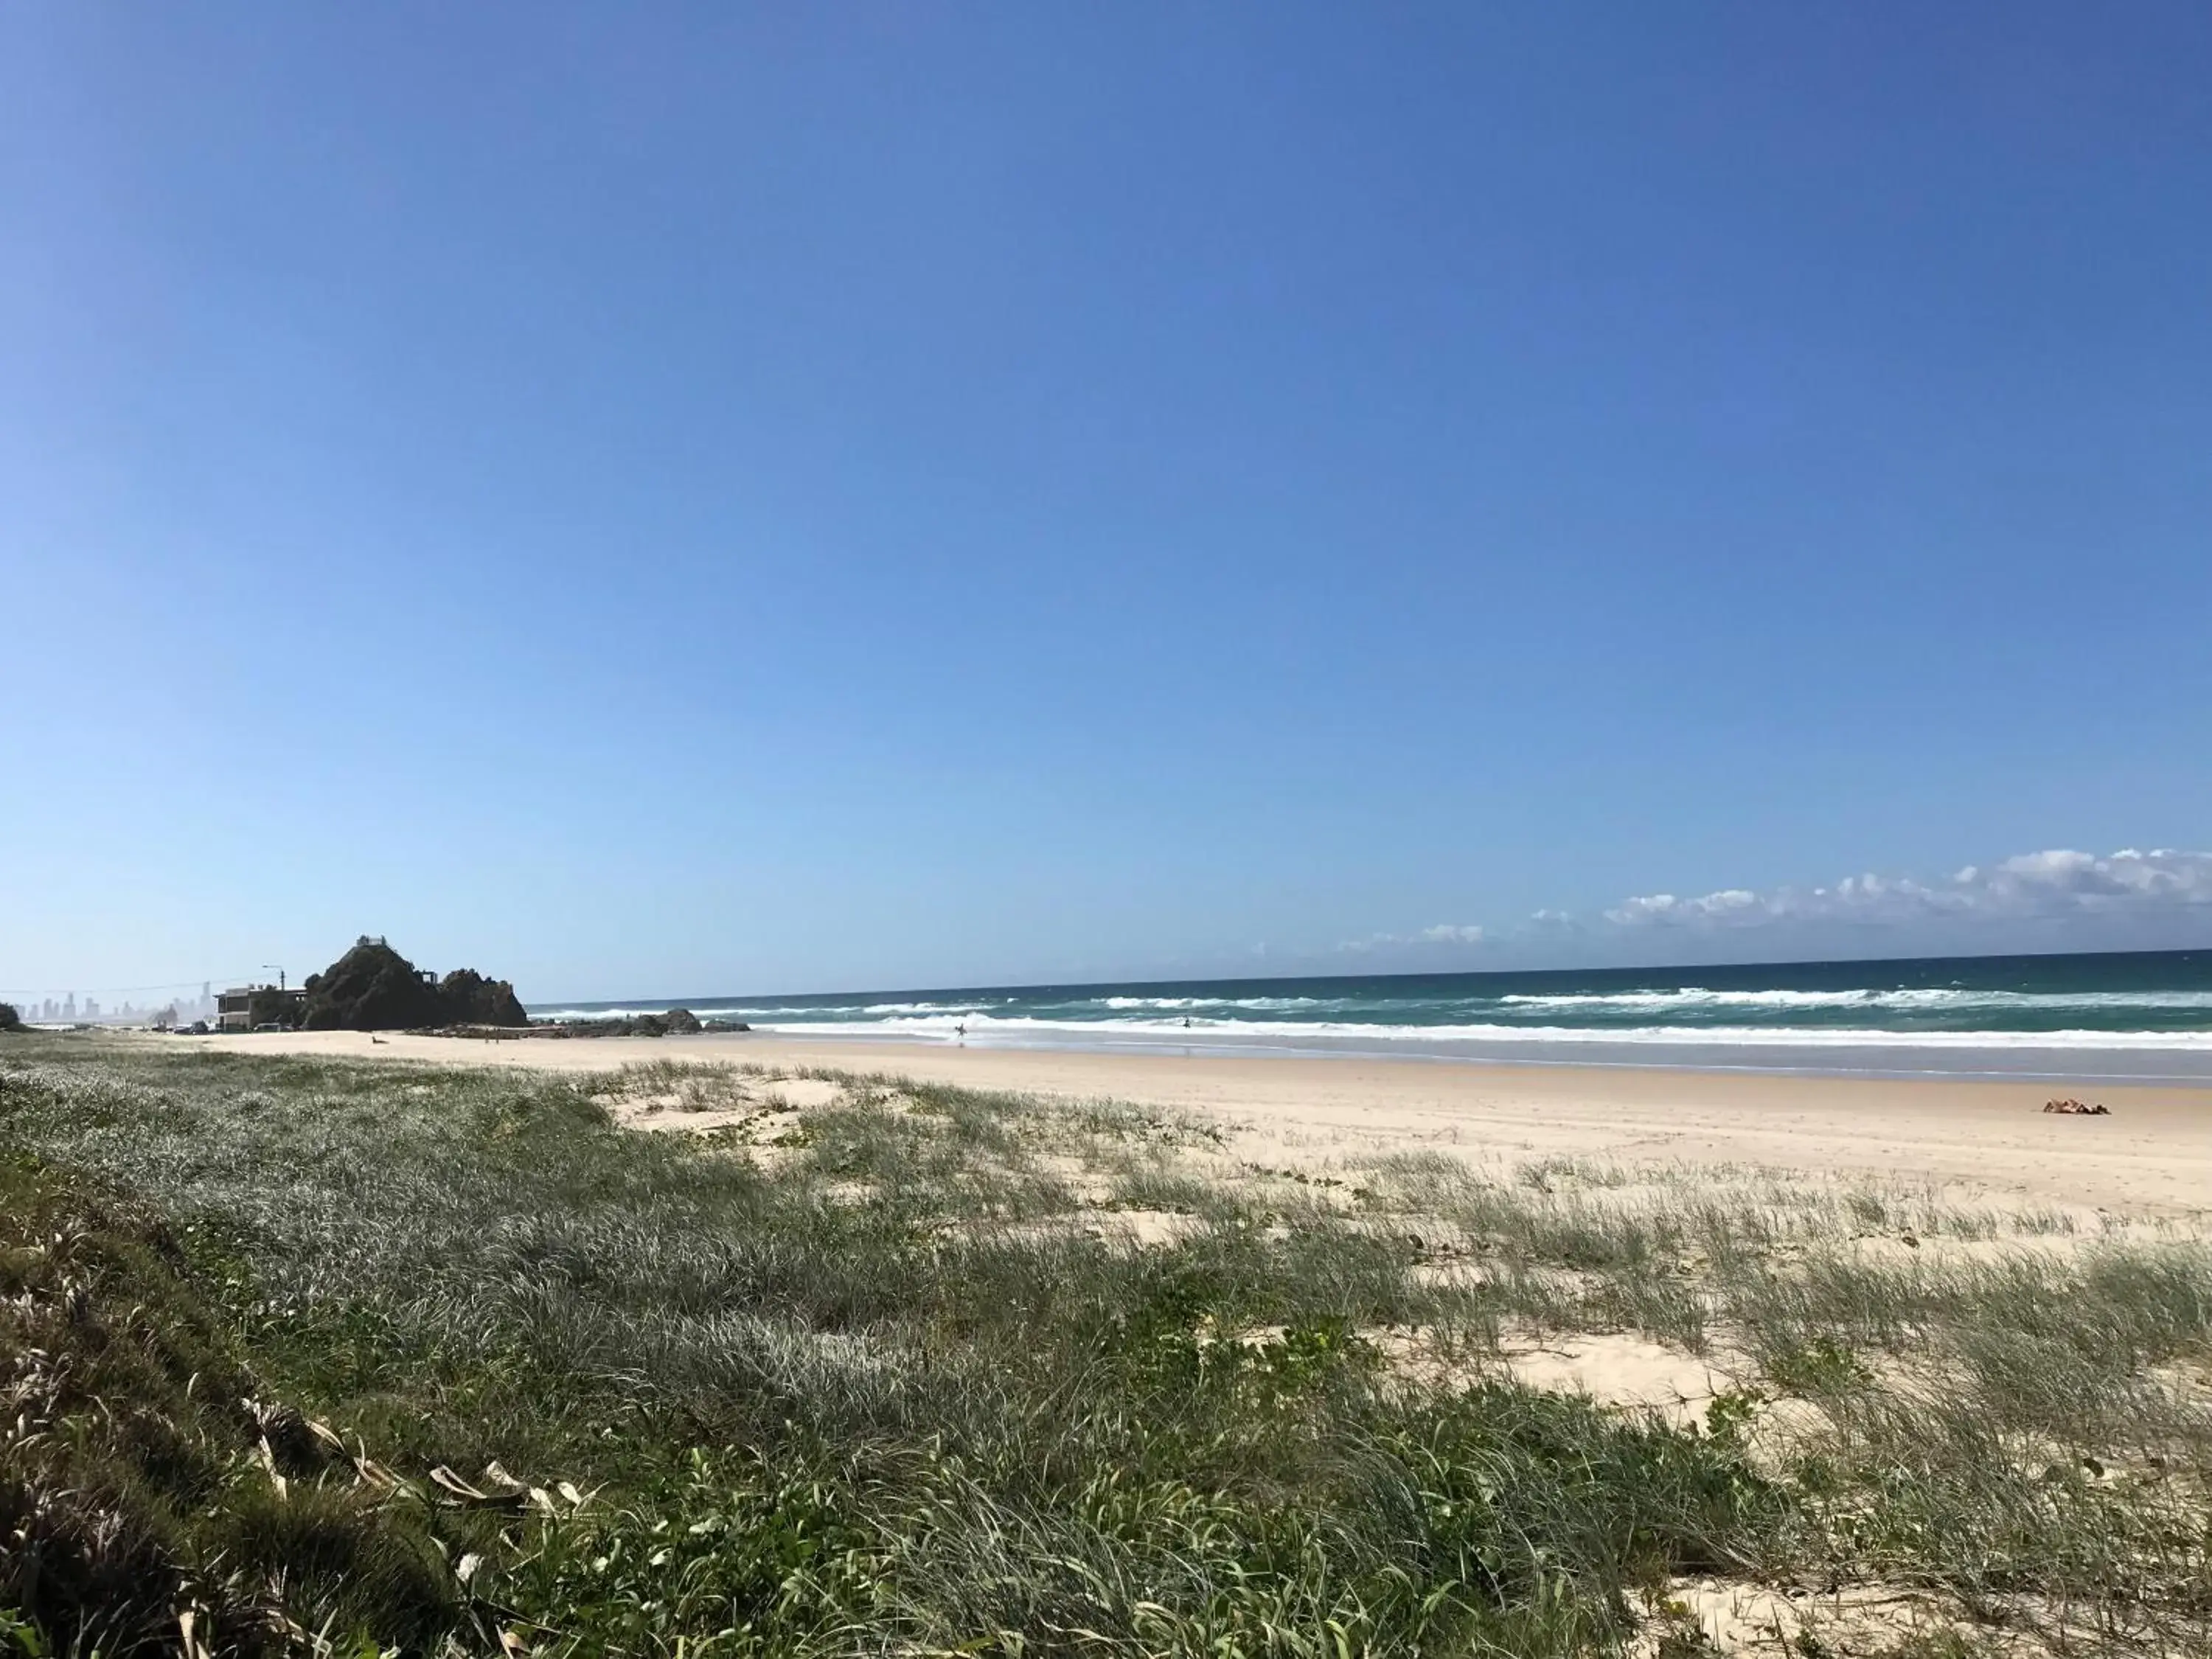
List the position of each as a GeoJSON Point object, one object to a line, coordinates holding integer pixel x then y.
{"type": "Point", "coordinates": [889, 1380]}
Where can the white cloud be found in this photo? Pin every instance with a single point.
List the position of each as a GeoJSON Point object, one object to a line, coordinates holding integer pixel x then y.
{"type": "Point", "coordinates": [1443, 933]}
{"type": "Point", "coordinates": [2032, 885]}
{"type": "Point", "coordinates": [2124, 900]}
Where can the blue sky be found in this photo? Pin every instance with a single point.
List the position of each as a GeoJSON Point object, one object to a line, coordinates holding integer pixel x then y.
{"type": "Point", "coordinates": [778, 498]}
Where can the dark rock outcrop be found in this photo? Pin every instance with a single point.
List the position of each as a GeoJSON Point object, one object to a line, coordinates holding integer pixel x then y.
{"type": "Point", "coordinates": [677, 1022]}
{"type": "Point", "coordinates": [472, 999]}
{"type": "Point", "coordinates": [372, 987]}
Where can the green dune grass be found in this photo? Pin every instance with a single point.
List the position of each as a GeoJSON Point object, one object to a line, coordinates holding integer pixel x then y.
{"type": "Point", "coordinates": [344, 1357]}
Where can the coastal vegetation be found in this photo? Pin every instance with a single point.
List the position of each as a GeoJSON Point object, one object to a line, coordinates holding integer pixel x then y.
{"type": "Point", "coordinates": [307, 1356]}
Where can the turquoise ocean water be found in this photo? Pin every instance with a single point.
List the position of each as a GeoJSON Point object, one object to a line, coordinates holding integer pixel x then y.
{"type": "Point", "coordinates": [2139, 1014]}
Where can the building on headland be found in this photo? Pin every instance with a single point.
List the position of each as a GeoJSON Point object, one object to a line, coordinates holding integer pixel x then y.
{"type": "Point", "coordinates": [245, 1006]}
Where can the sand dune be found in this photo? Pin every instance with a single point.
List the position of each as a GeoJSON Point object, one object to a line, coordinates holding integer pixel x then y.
{"type": "Point", "coordinates": [2153, 1154]}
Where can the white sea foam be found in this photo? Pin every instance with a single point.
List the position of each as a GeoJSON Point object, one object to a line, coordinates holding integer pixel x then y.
{"type": "Point", "coordinates": [1693, 997]}
{"type": "Point", "coordinates": [1677, 1016]}
{"type": "Point", "coordinates": [1259, 1004]}
{"type": "Point", "coordinates": [943, 1026]}
{"type": "Point", "coordinates": [1690, 998]}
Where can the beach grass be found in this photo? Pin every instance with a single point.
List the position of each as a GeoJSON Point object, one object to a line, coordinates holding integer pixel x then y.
{"type": "Point", "coordinates": [307, 1355]}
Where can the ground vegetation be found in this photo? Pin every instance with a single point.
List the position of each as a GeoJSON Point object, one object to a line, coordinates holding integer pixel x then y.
{"type": "Point", "coordinates": [348, 1358]}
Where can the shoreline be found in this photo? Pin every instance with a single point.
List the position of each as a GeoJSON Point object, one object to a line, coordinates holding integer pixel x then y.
{"type": "Point", "coordinates": [1979, 1138]}
{"type": "Point", "coordinates": [2131, 1057]}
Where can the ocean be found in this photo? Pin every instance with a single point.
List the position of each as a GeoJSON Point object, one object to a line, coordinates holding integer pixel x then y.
{"type": "Point", "coordinates": [2143, 1016]}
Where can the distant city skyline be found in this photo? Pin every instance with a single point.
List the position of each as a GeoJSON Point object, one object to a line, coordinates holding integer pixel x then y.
{"type": "Point", "coordinates": [188, 1005]}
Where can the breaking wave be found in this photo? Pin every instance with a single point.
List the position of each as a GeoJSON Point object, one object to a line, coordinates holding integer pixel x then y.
{"type": "Point", "coordinates": [2146, 1002]}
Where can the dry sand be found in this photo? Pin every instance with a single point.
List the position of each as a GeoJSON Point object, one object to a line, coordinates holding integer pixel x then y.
{"type": "Point", "coordinates": [2152, 1156]}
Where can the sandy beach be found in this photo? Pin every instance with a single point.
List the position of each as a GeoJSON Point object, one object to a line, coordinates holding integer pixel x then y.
{"type": "Point", "coordinates": [2152, 1156]}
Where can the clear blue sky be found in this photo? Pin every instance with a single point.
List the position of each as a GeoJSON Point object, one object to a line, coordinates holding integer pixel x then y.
{"type": "Point", "coordinates": [764, 497]}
